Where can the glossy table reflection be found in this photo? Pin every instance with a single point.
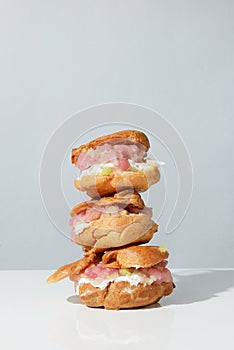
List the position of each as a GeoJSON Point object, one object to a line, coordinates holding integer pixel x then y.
{"type": "Point", "coordinates": [198, 315]}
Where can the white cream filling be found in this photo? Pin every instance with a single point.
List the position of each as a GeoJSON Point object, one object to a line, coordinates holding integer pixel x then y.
{"type": "Point", "coordinates": [79, 227]}
{"type": "Point", "coordinates": [144, 165]}
{"type": "Point", "coordinates": [97, 168]}
{"type": "Point", "coordinates": [97, 282]}
{"type": "Point", "coordinates": [134, 279]}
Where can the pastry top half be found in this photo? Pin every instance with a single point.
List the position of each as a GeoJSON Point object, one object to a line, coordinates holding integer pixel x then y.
{"type": "Point", "coordinates": [115, 162]}
{"type": "Point", "coordinates": [114, 221]}
{"type": "Point", "coordinates": [133, 257]}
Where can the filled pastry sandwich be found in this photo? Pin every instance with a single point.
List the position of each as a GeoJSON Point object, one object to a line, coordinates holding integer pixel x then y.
{"type": "Point", "coordinates": [115, 162]}
{"type": "Point", "coordinates": [121, 278]}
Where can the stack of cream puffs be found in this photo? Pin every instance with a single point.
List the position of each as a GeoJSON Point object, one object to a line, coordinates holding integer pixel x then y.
{"type": "Point", "coordinates": [116, 272]}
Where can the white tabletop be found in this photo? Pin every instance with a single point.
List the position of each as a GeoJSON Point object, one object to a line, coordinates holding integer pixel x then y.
{"type": "Point", "coordinates": [198, 315]}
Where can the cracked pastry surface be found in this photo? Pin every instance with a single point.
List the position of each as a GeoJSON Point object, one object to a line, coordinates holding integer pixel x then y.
{"type": "Point", "coordinates": [112, 221]}
{"type": "Point", "coordinates": [121, 295]}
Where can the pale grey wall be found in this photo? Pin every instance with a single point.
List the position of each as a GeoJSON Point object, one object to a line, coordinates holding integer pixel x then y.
{"type": "Point", "coordinates": [58, 57]}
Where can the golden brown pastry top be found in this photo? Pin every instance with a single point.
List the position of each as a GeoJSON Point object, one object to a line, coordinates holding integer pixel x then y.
{"type": "Point", "coordinates": [140, 256]}
{"type": "Point", "coordinates": [131, 135]}
{"type": "Point", "coordinates": [125, 198]}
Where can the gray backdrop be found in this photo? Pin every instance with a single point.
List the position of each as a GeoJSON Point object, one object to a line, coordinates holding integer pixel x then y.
{"type": "Point", "coordinates": [58, 57]}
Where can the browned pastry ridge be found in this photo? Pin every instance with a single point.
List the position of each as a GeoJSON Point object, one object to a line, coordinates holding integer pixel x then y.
{"type": "Point", "coordinates": [143, 256]}
{"type": "Point", "coordinates": [110, 231]}
{"type": "Point", "coordinates": [125, 199]}
{"type": "Point", "coordinates": [131, 135]}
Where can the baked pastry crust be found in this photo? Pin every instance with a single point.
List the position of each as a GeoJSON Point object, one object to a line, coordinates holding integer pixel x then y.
{"type": "Point", "coordinates": [125, 199]}
{"type": "Point", "coordinates": [74, 268]}
{"type": "Point", "coordinates": [102, 185]}
{"type": "Point", "coordinates": [122, 295]}
{"type": "Point", "coordinates": [142, 256]}
{"type": "Point", "coordinates": [129, 136]}
{"type": "Point", "coordinates": [117, 230]}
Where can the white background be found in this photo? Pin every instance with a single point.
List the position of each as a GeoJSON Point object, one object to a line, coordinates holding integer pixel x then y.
{"type": "Point", "coordinates": [58, 57]}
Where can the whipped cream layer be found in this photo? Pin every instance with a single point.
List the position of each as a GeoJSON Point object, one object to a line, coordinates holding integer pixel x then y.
{"type": "Point", "coordinates": [100, 276]}
{"type": "Point", "coordinates": [106, 169]}
{"type": "Point", "coordinates": [108, 158]}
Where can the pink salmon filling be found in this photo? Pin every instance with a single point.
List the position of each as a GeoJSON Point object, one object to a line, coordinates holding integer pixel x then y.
{"type": "Point", "coordinates": [156, 274]}
{"type": "Point", "coordinates": [117, 154]}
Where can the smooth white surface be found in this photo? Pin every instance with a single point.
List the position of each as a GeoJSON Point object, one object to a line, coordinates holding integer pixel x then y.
{"type": "Point", "coordinates": [198, 315]}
